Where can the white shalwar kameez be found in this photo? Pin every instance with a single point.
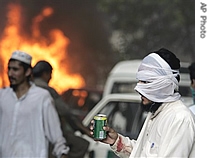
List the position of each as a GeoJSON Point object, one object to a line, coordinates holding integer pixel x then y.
{"type": "Point", "coordinates": [28, 124]}
{"type": "Point", "coordinates": [167, 133]}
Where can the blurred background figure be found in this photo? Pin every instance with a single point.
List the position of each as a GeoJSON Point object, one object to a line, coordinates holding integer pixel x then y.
{"type": "Point", "coordinates": [42, 73]}
{"type": "Point", "coordinates": [192, 86]}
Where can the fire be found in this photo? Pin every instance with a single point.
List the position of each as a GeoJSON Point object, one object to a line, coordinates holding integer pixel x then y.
{"type": "Point", "coordinates": [82, 96]}
{"type": "Point", "coordinates": [52, 49]}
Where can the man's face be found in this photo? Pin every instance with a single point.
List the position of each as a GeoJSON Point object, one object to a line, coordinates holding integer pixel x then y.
{"type": "Point", "coordinates": [193, 84]}
{"type": "Point", "coordinates": [16, 73]}
{"type": "Point", "coordinates": [47, 76]}
{"type": "Point", "coordinates": [145, 103]}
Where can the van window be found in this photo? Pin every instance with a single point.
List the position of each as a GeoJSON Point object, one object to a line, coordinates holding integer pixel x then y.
{"type": "Point", "coordinates": [122, 87]}
{"type": "Point", "coordinates": [124, 117]}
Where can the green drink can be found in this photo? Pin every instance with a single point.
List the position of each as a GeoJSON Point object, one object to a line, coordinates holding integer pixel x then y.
{"type": "Point", "coordinates": [100, 121]}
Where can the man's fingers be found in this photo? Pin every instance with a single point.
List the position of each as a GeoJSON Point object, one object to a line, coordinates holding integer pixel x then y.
{"type": "Point", "coordinates": [108, 129]}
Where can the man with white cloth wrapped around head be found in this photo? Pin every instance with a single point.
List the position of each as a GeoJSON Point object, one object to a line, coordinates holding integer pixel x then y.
{"type": "Point", "coordinates": [169, 129]}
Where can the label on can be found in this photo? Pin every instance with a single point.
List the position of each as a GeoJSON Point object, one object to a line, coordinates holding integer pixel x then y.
{"type": "Point", "coordinates": [100, 121]}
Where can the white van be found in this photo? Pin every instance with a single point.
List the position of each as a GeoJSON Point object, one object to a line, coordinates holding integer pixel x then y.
{"type": "Point", "coordinates": [122, 79]}
{"type": "Point", "coordinates": [124, 114]}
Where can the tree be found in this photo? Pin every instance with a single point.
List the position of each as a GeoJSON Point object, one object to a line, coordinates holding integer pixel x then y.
{"type": "Point", "coordinates": [140, 26]}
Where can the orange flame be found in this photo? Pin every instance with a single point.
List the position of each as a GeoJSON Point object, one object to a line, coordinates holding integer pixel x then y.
{"type": "Point", "coordinates": [82, 96]}
{"type": "Point", "coordinates": [53, 49]}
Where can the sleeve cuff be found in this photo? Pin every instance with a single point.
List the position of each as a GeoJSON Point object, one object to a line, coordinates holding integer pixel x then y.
{"type": "Point", "coordinates": [65, 151]}
{"type": "Point", "coordinates": [114, 146]}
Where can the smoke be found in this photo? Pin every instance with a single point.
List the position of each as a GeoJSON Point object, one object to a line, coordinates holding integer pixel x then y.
{"type": "Point", "coordinates": [89, 52]}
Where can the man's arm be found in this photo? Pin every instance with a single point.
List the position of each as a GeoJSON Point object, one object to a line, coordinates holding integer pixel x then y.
{"type": "Point", "coordinates": [52, 128]}
{"type": "Point", "coordinates": [121, 146]}
{"type": "Point", "coordinates": [64, 156]}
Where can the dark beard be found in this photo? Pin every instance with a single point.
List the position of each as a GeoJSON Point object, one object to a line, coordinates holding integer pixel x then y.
{"type": "Point", "coordinates": [150, 107]}
{"type": "Point", "coordinates": [13, 86]}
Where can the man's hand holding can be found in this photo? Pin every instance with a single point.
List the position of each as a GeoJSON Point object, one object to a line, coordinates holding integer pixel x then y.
{"type": "Point", "coordinates": [104, 133]}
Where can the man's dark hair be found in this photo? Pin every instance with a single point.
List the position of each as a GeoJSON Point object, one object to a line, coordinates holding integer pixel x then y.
{"type": "Point", "coordinates": [192, 71]}
{"type": "Point", "coordinates": [170, 58]}
{"type": "Point", "coordinates": [40, 67]}
{"type": "Point", "coordinates": [25, 66]}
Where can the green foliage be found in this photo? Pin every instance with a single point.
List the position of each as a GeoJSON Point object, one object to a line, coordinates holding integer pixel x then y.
{"type": "Point", "coordinates": [146, 25]}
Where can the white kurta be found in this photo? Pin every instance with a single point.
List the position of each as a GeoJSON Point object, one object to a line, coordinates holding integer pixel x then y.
{"type": "Point", "coordinates": [28, 124]}
{"type": "Point", "coordinates": [170, 132]}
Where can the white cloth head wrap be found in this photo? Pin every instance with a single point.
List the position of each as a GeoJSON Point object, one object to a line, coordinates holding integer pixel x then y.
{"type": "Point", "coordinates": [162, 85]}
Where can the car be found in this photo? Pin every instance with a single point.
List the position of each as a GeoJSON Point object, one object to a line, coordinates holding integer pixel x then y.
{"type": "Point", "coordinates": [81, 100]}
{"type": "Point", "coordinates": [124, 114]}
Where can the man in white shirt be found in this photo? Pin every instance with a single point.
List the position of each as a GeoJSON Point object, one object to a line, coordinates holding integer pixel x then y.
{"type": "Point", "coordinates": [192, 85]}
{"type": "Point", "coordinates": [28, 119]}
{"type": "Point", "coordinates": [169, 129]}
